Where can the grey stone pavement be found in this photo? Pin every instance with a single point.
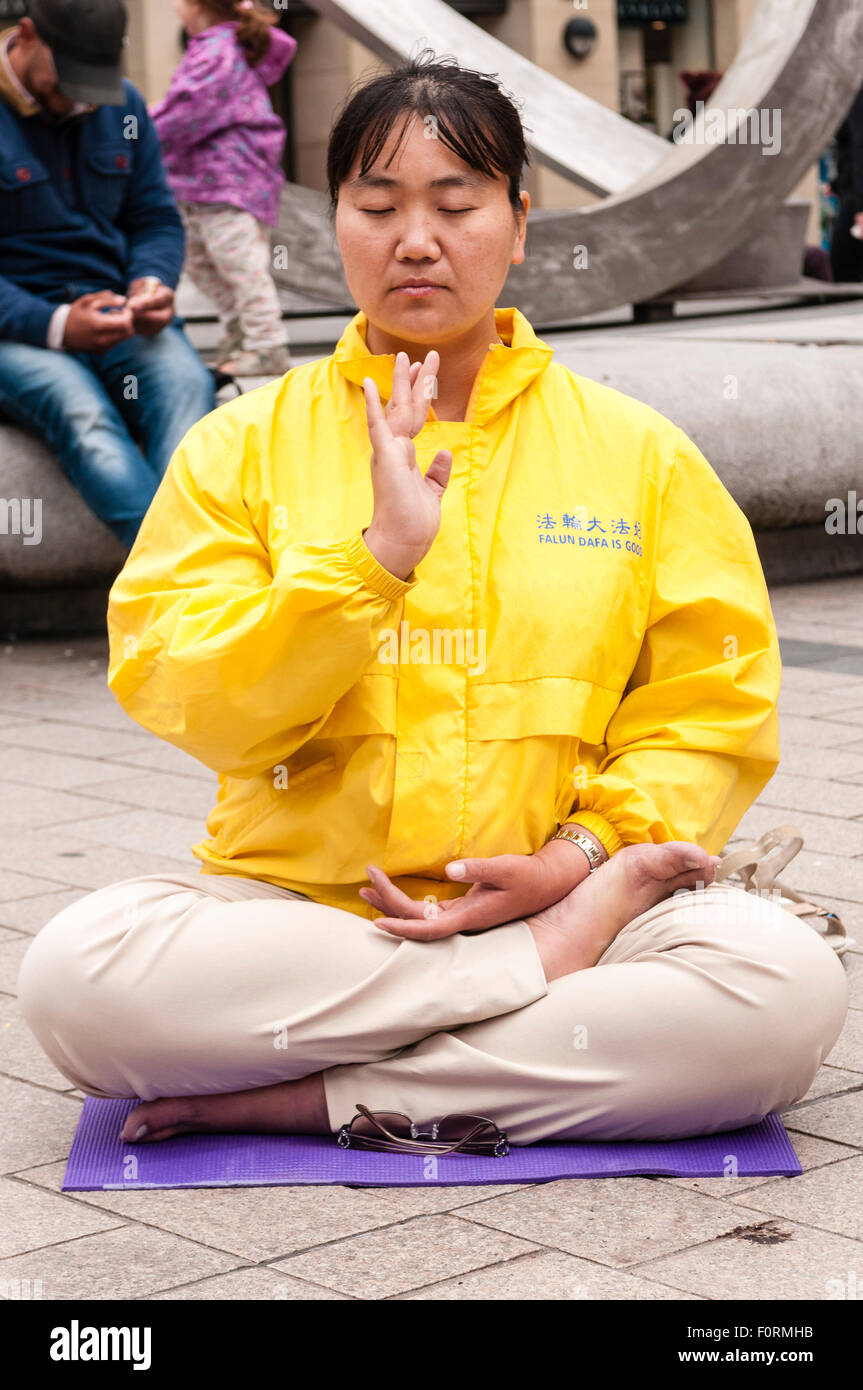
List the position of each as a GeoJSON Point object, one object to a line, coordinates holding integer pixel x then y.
{"type": "Point", "coordinates": [87, 798]}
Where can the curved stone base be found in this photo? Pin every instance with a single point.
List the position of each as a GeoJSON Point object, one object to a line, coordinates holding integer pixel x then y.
{"type": "Point", "coordinates": [800, 553]}
{"type": "Point", "coordinates": [75, 550]}
{"type": "Point", "coordinates": [53, 613]}
{"type": "Point", "coordinates": [778, 421]}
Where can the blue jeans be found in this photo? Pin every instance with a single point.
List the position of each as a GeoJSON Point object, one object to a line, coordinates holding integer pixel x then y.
{"type": "Point", "coordinates": [91, 408]}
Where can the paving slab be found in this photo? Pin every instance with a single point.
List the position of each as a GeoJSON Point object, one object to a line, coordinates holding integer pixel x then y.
{"type": "Point", "coordinates": [34, 698]}
{"type": "Point", "coordinates": [619, 1221]}
{"type": "Point", "coordinates": [836, 1117]}
{"type": "Point", "coordinates": [798, 760]}
{"type": "Point", "coordinates": [32, 913]}
{"type": "Point", "coordinates": [846, 715]}
{"type": "Point", "coordinates": [854, 971]}
{"type": "Point", "coordinates": [256, 1223]}
{"type": "Point", "coordinates": [813, 871]}
{"type": "Point", "coordinates": [35, 767]}
{"type": "Point", "coordinates": [802, 678]}
{"type": "Point", "coordinates": [13, 946]}
{"type": "Point", "coordinates": [403, 1202]}
{"type": "Point", "coordinates": [767, 1258]}
{"type": "Point", "coordinates": [48, 651]}
{"type": "Point", "coordinates": [812, 704]}
{"type": "Point", "coordinates": [11, 721]}
{"type": "Point", "coordinates": [830, 1081]}
{"type": "Point", "coordinates": [818, 733]}
{"type": "Point", "coordinates": [548, 1275]}
{"type": "Point", "coordinates": [35, 807]}
{"type": "Point", "coordinates": [38, 1125]}
{"type": "Point", "coordinates": [153, 832]}
{"type": "Point", "coordinates": [126, 1262]}
{"type": "Point", "coordinates": [260, 1285]}
{"type": "Point", "coordinates": [30, 1220]}
{"type": "Point", "coordinates": [14, 886]}
{"type": "Point", "coordinates": [20, 1054]}
{"type": "Point", "coordinates": [830, 1198]}
{"type": "Point", "coordinates": [410, 1255]}
{"type": "Point", "coordinates": [96, 711]}
{"type": "Point", "coordinates": [164, 757]}
{"type": "Point", "coordinates": [817, 795]}
{"type": "Point", "coordinates": [809, 630]}
{"type": "Point", "coordinates": [854, 779]}
{"type": "Point", "coordinates": [82, 740]}
{"type": "Point", "coordinates": [834, 652]}
{"type": "Point", "coordinates": [848, 1052]}
{"type": "Point", "coordinates": [82, 863]}
{"type": "Point", "coordinates": [828, 835]}
{"type": "Point", "coordinates": [190, 796]}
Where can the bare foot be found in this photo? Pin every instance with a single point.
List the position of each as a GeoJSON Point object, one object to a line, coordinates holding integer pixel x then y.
{"type": "Point", "coordinates": [573, 933]}
{"type": "Point", "coordinates": [289, 1107]}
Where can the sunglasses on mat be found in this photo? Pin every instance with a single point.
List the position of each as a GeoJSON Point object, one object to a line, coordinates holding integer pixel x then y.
{"type": "Point", "coordinates": [390, 1132]}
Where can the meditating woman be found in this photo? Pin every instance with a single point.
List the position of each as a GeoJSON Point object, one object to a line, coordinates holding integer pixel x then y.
{"type": "Point", "coordinates": [484, 706]}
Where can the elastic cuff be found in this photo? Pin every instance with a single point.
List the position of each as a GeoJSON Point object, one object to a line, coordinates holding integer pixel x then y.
{"type": "Point", "coordinates": [57, 328]}
{"type": "Point", "coordinates": [374, 574]}
{"type": "Point", "coordinates": [598, 826]}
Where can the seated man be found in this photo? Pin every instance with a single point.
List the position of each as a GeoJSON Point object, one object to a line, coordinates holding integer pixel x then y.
{"type": "Point", "coordinates": [92, 357]}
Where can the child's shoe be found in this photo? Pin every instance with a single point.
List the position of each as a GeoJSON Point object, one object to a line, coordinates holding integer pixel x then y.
{"type": "Point", "coordinates": [230, 342]}
{"type": "Point", "coordinates": [272, 361]}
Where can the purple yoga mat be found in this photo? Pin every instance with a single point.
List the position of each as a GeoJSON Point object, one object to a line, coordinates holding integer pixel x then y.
{"type": "Point", "coordinates": [100, 1160]}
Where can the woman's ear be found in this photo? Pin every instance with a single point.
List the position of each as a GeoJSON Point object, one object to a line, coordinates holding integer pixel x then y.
{"type": "Point", "coordinates": [521, 228]}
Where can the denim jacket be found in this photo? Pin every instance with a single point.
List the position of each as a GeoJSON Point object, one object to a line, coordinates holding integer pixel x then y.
{"type": "Point", "coordinates": [84, 205]}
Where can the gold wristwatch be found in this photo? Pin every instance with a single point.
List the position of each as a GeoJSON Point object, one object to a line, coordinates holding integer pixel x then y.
{"type": "Point", "coordinates": [577, 837]}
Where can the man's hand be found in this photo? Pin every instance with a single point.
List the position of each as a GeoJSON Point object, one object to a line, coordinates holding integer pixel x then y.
{"type": "Point", "coordinates": [90, 329]}
{"type": "Point", "coordinates": [504, 888]}
{"type": "Point", "coordinates": [151, 304]}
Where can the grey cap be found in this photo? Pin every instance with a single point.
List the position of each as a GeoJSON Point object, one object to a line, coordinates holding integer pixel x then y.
{"type": "Point", "coordinates": [86, 40]}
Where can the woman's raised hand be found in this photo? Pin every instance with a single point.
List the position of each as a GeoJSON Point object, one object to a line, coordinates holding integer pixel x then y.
{"type": "Point", "coordinates": [406, 513]}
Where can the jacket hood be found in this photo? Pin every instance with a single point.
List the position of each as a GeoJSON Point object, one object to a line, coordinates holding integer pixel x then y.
{"type": "Point", "coordinates": [279, 55]}
{"type": "Point", "coordinates": [507, 370]}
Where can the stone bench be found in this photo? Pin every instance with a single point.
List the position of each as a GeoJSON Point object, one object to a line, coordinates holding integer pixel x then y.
{"type": "Point", "coordinates": [59, 584]}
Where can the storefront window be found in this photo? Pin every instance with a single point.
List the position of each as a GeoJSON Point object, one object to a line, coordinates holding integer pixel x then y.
{"type": "Point", "coordinates": [665, 48]}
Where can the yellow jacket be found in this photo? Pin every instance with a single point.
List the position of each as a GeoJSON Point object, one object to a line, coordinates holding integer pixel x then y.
{"type": "Point", "coordinates": [590, 635]}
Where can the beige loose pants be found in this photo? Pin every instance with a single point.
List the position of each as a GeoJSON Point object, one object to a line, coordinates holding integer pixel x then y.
{"type": "Point", "coordinates": [706, 1012]}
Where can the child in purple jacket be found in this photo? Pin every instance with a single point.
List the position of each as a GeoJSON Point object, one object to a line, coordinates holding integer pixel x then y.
{"type": "Point", "coordinates": [222, 146]}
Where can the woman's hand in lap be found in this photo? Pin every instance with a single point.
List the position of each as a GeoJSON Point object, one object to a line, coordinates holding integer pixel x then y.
{"type": "Point", "coordinates": [504, 888]}
{"type": "Point", "coordinates": [406, 515]}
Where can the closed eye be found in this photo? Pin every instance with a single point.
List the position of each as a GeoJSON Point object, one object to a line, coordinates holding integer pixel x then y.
{"type": "Point", "coordinates": [382, 212]}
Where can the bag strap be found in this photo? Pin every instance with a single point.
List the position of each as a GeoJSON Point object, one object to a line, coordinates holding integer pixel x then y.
{"type": "Point", "coordinates": [758, 864]}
